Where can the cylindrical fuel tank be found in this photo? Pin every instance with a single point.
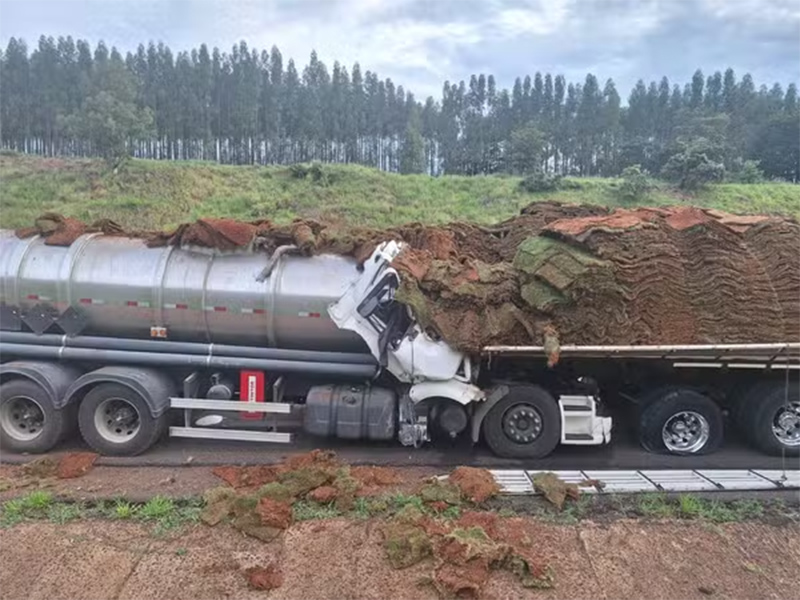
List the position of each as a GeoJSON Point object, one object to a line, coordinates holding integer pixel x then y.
{"type": "Point", "coordinates": [123, 288]}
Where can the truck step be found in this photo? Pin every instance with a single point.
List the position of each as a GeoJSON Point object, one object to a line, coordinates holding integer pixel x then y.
{"type": "Point", "coordinates": [242, 435]}
{"type": "Point", "coordinates": [578, 437]}
{"type": "Point", "coordinates": [576, 408]}
{"type": "Point", "coordinates": [237, 405]}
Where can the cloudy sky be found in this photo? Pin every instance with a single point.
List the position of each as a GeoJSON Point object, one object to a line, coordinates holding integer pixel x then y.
{"type": "Point", "coordinates": [421, 43]}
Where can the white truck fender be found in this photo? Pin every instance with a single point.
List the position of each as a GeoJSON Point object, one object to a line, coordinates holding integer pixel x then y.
{"type": "Point", "coordinates": [459, 391]}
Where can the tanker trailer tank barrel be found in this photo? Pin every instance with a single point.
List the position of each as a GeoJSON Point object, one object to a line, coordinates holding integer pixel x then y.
{"type": "Point", "coordinates": [136, 345]}
{"type": "Point", "coordinates": [187, 360]}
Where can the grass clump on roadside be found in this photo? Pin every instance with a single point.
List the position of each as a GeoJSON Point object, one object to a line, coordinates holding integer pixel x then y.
{"type": "Point", "coordinates": [63, 512]}
{"type": "Point", "coordinates": [164, 513]}
{"type": "Point", "coordinates": [124, 510]}
{"type": "Point", "coordinates": [654, 505]}
{"type": "Point", "coordinates": [692, 507]}
{"type": "Point", "coordinates": [689, 506]}
{"type": "Point", "coordinates": [38, 504]}
{"type": "Point", "coordinates": [306, 510]}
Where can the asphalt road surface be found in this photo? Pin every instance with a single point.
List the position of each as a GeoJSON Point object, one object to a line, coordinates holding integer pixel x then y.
{"type": "Point", "coordinates": [622, 453]}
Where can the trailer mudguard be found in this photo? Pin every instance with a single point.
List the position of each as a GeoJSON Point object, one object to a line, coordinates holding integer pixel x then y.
{"type": "Point", "coordinates": [54, 378]}
{"type": "Point", "coordinates": [152, 385]}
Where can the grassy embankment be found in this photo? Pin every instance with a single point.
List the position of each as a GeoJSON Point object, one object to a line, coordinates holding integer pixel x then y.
{"type": "Point", "coordinates": [153, 194]}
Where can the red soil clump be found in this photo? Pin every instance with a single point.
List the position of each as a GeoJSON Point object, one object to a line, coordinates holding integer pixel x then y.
{"type": "Point", "coordinates": [671, 275]}
{"type": "Point", "coordinates": [264, 578]}
{"type": "Point", "coordinates": [75, 464]}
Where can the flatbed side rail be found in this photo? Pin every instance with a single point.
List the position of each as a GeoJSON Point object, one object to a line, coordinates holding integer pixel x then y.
{"type": "Point", "coordinates": [779, 355]}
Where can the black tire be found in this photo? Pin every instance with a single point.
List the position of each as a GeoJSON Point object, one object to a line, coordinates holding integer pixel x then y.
{"type": "Point", "coordinates": [672, 402]}
{"type": "Point", "coordinates": [763, 405]}
{"type": "Point", "coordinates": [644, 401]}
{"type": "Point", "coordinates": [54, 423]}
{"type": "Point", "coordinates": [128, 443]}
{"type": "Point", "coordinates": [646, 398]}
{"type": "Point", "coordinates": [524, 396]}
{"type": "Point", "coordinates": [741, 407]}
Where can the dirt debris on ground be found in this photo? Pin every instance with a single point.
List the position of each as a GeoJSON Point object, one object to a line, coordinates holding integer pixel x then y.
{"type": "Point", "coordinates": [264, 578]}
{"type": "Point", "coordinates": [76, 464]}
{"type": "Point", "coordinates": [586, 274]}
{"type": "Point", "coordinates": [107, 482]}
{"type": "Point", "coordinates": [259, 499]}
{"type": "Point", "coordinates": [392, 545]}
{"type": "Point", "coordinates": [478, 485]}
{"type": "Point", "coordinates": [464, 552]}
{"type": "Point", "coordinates": [555, 489]}
{"type": "Point", "coordinates": [342, 558]}
{"type": "Point", "coordinates": [47, 471]}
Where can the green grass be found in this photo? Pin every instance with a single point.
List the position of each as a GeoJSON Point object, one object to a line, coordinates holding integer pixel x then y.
{"type": "Point", "coordinates": [63, 512]}
{"type": "Point", "coordinates": [399, 501]}
{"type": "Point", "coordinates": [156, 508]}
{"type": "Point", "coordinates": [160, 194]}
{"type": "Point", "coordinates": [655, 505]}
{"type": "Point", "coordinates": [305, 510]}
{"type": "Point", "coordinates": [163, 513]}
{"type": "Point", "coordinates": [688, 506]}
{"type": "Point", "coordinates": [37, 504]}
{"type": "Point", "coordinates": [124, 510]}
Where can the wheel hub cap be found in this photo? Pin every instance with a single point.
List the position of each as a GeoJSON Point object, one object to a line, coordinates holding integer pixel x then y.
{"type": "Point", "coordinates": [786, 425]}
{"type": "Point", "coordinates": [686, 432]}
{"type": "Point", "coordinates": [522, 424]}
{"type": "Point", "coordinates": [22, 418]}
{"type": "Point", "coordinates": [116, 420]}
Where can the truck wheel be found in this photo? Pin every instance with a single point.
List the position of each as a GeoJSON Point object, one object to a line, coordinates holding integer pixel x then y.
{"type": "Point", "coordinates": [681, 421]}
{"type": "Point", "coordinates": [115, 420]}
{"type": "Point", "coordinates": [771, 418]}
{"type": "Point", "coordinates": [525, 423]}
{"type": "Point", "coordinates": [28, 420]}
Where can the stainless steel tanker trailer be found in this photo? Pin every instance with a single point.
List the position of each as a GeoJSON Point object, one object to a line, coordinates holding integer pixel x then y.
{"type": "Point", "coordinates": [130, 343]}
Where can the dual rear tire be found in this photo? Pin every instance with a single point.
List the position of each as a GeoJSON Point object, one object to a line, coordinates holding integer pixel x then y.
{"type": "Point", "coordinates": [768, 415]}
{"type": "Point", "coordinates": [679, 420]}
{"type": "Point", "coordinates": [113, 419]}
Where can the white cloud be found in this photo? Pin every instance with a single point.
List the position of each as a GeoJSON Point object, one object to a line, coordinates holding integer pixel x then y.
{"type": "Point", "coordinates": [421, 43]}
{"type": "Point", "coordinates": [542, 19]}
{"type": "Point", "coordinates": [759, 10]}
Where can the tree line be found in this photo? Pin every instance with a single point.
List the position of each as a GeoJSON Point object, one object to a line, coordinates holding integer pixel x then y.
{"type": "Point", "coordinates": [65, 98]}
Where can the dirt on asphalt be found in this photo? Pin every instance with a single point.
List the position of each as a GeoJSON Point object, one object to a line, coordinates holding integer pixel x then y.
{"type": "Point", "coordinates": [141, 483]}
{"type": "Point", "coordinates": [587, 274]}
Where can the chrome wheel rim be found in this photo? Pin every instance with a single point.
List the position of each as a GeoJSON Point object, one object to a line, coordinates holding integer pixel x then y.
{"type": "Point", "coordinates": [522, 423]}
{"type": "Point", "coordinates": [22, 418]}
{"type": "Point", "coordinates": [686, 432]}
{"type": "Point", "coordinates": [116, 420]}
{"type": "Point", "coordinates": [786, 424]}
